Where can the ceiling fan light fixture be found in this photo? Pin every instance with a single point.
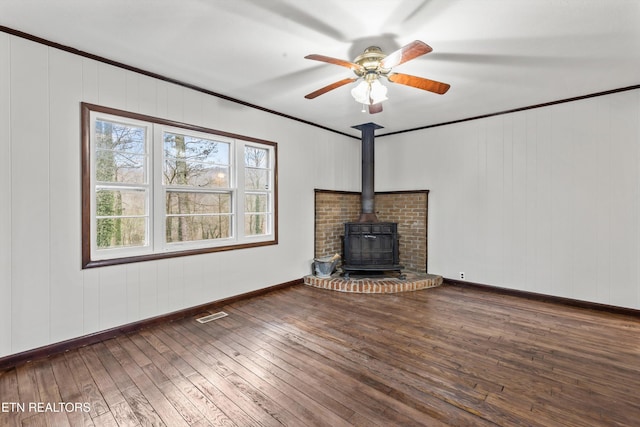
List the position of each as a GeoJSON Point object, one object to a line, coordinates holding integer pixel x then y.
{"type": "Point", "coordinates": [369, 93]}
{"type": "Point", "coordinates": [360, 93]}
{"type": "Point", "coordinates": [377, 92]}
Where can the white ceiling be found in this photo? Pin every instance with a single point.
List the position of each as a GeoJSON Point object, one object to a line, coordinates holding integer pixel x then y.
{"type": "Point", "coordinates": [497, 55]}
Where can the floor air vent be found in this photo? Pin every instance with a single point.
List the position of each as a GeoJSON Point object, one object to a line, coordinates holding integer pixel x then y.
{"type": "Point", "coordinates": [214, 316]}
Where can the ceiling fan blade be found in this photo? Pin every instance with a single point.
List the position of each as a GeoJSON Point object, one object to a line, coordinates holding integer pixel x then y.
{"type": "Point", "coordinates": [405, 53]}
{"type": "Point", "coordinates": [330, 87]}
{"type": "Point", "coordinates": [343, 63]}
{"type": "Point", "coordinates": [375, 108]}
{"type": "Point", "coordinates": [419, 82]}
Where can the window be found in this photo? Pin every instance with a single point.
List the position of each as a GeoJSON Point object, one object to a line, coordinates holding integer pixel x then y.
{"type": "Point", "coordinates": [154, 188]}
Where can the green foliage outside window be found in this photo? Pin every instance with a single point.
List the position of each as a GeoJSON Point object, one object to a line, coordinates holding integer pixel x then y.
{"type": "Point", "coordinates": [120, 158]}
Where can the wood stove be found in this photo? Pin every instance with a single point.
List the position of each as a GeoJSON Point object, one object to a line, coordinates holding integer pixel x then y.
{"type": "Point", "coordinates": [369, 245]}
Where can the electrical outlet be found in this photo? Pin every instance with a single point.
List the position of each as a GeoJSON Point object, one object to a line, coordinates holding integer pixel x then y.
{"type": "Point", "coordinates": [462, 275]}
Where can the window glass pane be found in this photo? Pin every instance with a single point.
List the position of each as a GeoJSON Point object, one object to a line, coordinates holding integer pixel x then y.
{"type": "Point", "coordinates": [115, 227]}
{"type": "Point", "coordinates": [182, 202]}
{"type": "Point", "coordinates": [200, 227]}
{"type": "Point", "coordinates": [255, 203]}
{"type": "Point", "coordinates": [120, 152]}
{"type": "Point", "coordinates": [111, 202]}
{"type": "Point", "coordinates": [256, 179]}
{"type": "Point", "coordinates": [195, 161]}
{"type": "Point", "coordinates": [256, 157]}
{"type": "Point", "coordinates": [203, 175]}
{"type": "Point", "coordinates": [118, 232]}
{"type": "Point", "coordinates": [114, 166]}
{"type": "Point", "coordinates": [120, 137]}
{"type": "Point", "coordinates": [221, 177]}
{"type": "Point", "coordinates": [255, 224]}
{"type": "Point", "coordinates": [196, 149]}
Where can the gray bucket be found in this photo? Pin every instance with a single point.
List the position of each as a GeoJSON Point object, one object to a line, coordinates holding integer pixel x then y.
{"type": "Point", "coordinates": [324, 267]}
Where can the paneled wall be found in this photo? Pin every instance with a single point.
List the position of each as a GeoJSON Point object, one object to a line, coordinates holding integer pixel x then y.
{"type": "Point", "coordinates": [544, 200]}
{"type": "Point", "coordinates": [45, 297]}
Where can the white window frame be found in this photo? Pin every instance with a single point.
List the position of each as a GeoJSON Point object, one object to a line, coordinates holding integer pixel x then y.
{"type": "Point", "coordinates": [156, 246]}
{"type": "Point", "coordinates": [160, 191]}
{"type": "Point", "coordinates": [270, 169]}
{"type": "Point", "coordinates": [124, 251]}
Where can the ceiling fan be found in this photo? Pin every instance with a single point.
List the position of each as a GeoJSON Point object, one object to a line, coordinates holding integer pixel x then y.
{"type": "Point", "coordinates": [374, 64]}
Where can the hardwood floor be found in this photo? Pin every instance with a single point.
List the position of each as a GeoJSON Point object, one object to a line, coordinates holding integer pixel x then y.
{"type": "Point", "coordinates": [304, 356]}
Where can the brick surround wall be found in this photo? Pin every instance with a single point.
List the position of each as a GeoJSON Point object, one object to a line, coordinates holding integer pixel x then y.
{"type": "Point", "coordinates": [407, 208]}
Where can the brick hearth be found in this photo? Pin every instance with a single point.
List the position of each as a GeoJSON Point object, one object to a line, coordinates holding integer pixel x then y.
{"type": "Point", "coordinates": [382, 285]}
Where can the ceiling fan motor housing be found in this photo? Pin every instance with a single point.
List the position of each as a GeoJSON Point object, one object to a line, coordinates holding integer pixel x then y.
{"type": "Point", "coordinates": [370, 63]}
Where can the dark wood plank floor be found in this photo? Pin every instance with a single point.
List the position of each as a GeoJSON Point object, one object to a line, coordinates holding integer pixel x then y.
{"type": "Point", "coordinates": [308, 357]}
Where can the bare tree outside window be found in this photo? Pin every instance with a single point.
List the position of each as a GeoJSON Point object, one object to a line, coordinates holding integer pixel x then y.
{"type": "Point", "coordinates": [257, 175]}
{"type": "Point", "coordinates": [198, 200]}
{"type": "Point", "coordinates": [121, 219]}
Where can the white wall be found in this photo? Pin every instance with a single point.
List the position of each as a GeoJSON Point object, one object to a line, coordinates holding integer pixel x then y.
{"type": "Point", "coordinates": [45, 297]}
{"type": "Point", "coordinates": [545, 200]}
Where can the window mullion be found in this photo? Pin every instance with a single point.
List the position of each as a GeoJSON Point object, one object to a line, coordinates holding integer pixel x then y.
{"type": "Point", "coordinates": [239, 194]}
{"type": "Point", "coordinates": [158, 192]}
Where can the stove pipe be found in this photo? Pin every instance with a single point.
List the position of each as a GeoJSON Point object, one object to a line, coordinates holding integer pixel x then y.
{"type": "Point", "coordinates": [368, 213]}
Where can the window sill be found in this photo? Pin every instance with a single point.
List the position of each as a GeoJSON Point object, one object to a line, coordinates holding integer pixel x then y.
{"type": "Point", "coordinates": [89, 263]}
